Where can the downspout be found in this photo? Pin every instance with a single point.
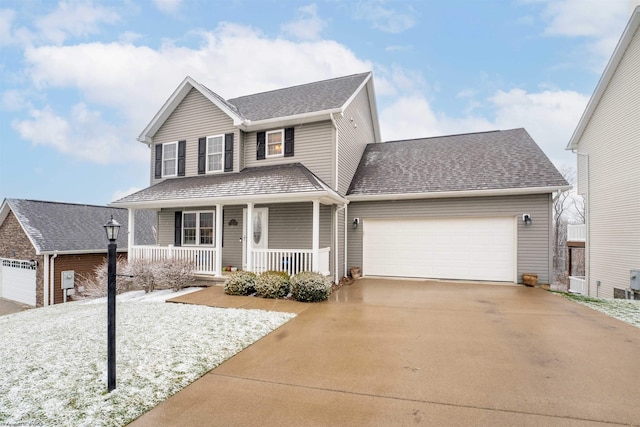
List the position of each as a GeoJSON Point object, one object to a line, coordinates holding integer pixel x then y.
{"type": "Point", "coordinates": [587, 224]}
{"type": "Point", "coordinates": [52, 277]}
{"type": "Point", "coordinates": [45, 282]}
{"type": "Point", "coordinates": [346, 224]}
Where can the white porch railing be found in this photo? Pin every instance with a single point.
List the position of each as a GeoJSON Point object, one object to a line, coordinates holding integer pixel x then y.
{"type": "Point", "coordinates": [576, 232]}
{"type": "Point", "coordinates": [203, 259]}
{"type": "Point", "coordinates": [290, 260]}
{"type": "Point", "coordinates": [577, 285]}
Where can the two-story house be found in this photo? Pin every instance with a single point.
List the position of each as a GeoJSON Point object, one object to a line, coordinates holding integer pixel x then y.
{"type": "Point", "coordinates": [296, 179]}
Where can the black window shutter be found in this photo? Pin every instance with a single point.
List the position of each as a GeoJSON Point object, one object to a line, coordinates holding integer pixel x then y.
{"type": "Point", "coordinates": [202, 155]}
{"type": "Point", "coordinates": [158, 162]}
{"type": "Point", "coordinates": [228, 152]}
{"type": "Point", "coordinates": [177, 235]}
{"type": "Point", "coordinates": [288, 142]}
{"type": "Point", "coordinates": [182, 148]}
{"type": "Point", "coordinates": [261, 146]}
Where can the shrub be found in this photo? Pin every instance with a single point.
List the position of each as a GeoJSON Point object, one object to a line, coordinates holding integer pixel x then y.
{"type": "Point", "coordinates": [174, 274]}
{"type": "Point", "coordinates": [240, 283]}
{"type": "Point", "coordinates": [94, 285]}
{"type": "Point", "coordinates": [144, 274]}
{"type": "Point", "coordinates": [273, 284]}
{"type": "Point", "coordinates": [308, 286]}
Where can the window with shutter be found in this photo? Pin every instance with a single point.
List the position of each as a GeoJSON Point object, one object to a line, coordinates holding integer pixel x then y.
{"type": "Point", "coordinates": [228, 152]}
{"type": "Point", "coordinates": [169, 159]}
{"type": "Point", "coordinates": [215, 153]}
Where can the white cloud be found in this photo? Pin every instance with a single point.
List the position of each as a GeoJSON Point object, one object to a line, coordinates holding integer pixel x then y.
{"type": "Point", "coordinates": [14, 100]}
{"type": "Point", "coordinates": [168, 6]}
{"type": "Point", "coordinates": [74, 18]}
{"type": "Point", "coordinates": [307, 26]}
{"type": "Point", "coordinates": [599, 21]}
{"type": "Point", "coordinates": [7, 17]}
{"type": "Point", "coordinates": [83, 135]}
{"type": "Point", "coordinates": [385, 18]}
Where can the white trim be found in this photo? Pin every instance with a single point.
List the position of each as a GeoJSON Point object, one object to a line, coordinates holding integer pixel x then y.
{"type": "Point", "coordinates": [218, 238]}
{"type": "Point", "coordinates": [288, 121]}
{"type": "Point", "coordinates": [164, 151]}
{"type": "Point", "coordinates": [607, 75]}
{"type": "Point", "coordinates": [131, 231]}
{"type": "Point", "coordinates": [452, 194]}
{"type": "Point", "coordinates": [207, 154]}
{"type": "Point", "coordinates": [324, 196]}
{"type": "Point", "coordinates": [266, 143]}
{"type": "Point", "coordinates": [315, 236]}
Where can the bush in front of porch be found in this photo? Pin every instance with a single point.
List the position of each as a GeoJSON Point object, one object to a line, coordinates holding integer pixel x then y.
{"type": "Point", "coordinates": [240, 283]}
{"type": "Point", "coordinates": [273, 284]}
{"type": "Point", "coordinates": [308, 286]}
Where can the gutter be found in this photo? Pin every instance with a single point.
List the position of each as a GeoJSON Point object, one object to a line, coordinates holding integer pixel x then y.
{"type": "Point", "coordinates": [452, 194]}
{"type": "Point", "coordinates": [250, 125]}
{"type": "Point", "coordinates": [52, 277]}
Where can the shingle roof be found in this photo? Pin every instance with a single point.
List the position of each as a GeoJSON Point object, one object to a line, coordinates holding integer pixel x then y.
{"type": "Point", "coordinates": [263, 180]}
{"type": "Point", "coordinates": [312, 97]}
{"type": "Point", "coordinates": [74, 227]}
{"type": "Point", "coordinates": [478, 161]}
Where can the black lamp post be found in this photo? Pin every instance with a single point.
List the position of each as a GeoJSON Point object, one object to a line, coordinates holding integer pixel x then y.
{"type": "Point", "coordinates": [112, 228]}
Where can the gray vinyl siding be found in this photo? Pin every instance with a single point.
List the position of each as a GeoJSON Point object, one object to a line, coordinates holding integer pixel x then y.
{"type": "Point", "coordinates": [611, 140]}
{"type": "Point", "coordinates": [533, 245]}
{"type": "Point", "coordinates": [340, 244]}
{"type": "Point", "coordinates": [355, 131]}
{"type": "Point", "coordinates": [195, 117]}
{"type": "Point", "coordinates": [312, 148]}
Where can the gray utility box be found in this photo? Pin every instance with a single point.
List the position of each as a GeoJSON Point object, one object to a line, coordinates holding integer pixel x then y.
{"type": "Point", "coordinates": [68, 278]}
{"type": "Point", "coordinates": [634, 280]}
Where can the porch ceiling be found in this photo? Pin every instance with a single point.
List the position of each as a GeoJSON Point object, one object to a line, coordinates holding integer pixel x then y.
{"type": "Point", "coordinates": [267, 184]}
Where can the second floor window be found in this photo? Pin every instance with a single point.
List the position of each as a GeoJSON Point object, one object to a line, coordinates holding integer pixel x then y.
{"type": "Point", "coordinates": [197, 228]}
{"type": "Point", "coordinates": [275, 140]}
{"type": "Point", "coordinates": [169, 159]}
{"type": "Point", "coordinates": [215, 153]}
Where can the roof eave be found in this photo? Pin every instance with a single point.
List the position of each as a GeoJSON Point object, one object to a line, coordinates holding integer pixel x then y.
{"type": "Point", "coordinates": [325, 197]}
{"type": "Point", "coordinates": [608, 73]}
{"type": "Point", "coordinates": [297, 119]}
{"type": "Point", "coordinates": [454, 194]}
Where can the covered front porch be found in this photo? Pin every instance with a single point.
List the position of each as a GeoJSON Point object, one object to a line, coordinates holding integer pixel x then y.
{"type": "Point", "coordinates": [282, 228]}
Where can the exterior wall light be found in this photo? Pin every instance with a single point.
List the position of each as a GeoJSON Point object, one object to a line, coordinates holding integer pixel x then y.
{"type": "Point", "coordinates": [527, 219]}
{"type": "Point", "coordinates": [356, 221]}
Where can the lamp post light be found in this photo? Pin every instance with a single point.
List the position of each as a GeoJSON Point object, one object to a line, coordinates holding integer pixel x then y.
{"type": "Point", "coordinates": [112, 228]}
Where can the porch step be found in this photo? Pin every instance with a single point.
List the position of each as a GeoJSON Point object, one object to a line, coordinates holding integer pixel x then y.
{"type": "Point", "coordinates": [207, 280]}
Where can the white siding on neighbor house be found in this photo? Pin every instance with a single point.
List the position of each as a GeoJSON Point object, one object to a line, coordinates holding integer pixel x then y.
{"type": "Point", "coordinates": [611, 140]}
{"type": "Point", "coordinates": [355, 131]}
{"type": "Point", "coordinates": [533, 242]}
{"type": "Point", "coordinates": [312, 148]}
{"type": "Point", "coordinates": [195, 117]}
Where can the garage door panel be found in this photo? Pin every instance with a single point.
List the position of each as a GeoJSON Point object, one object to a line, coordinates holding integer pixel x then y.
{"type": "Point", "coordinates": [463, 248]}
{"type": "Point", "coordinates": [18, 281]}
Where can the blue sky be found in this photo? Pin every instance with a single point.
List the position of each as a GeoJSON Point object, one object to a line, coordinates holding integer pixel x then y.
{"type": "Point", "coordinates": [80, 80]}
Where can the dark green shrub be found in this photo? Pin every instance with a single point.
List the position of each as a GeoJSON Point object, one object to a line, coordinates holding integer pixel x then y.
{"type": "Point", "coordinates": [273, 284]}
{"type": "Point", "coordinates": [240, 283]}
{"type": "Point", "coordinates": [308, 286]}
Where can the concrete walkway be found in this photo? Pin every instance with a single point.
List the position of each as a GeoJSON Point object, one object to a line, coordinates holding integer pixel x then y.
{"type": "Point", "coordinates": [385, 352]}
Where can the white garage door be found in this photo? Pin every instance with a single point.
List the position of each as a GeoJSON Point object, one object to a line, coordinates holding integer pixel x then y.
{"type": "Point", "coordinates": [464, 249]}
{"type": "Point", "coordinates": [18, 281]}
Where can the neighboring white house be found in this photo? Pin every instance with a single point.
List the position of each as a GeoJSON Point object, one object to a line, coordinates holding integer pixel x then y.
{"type": "Point", "coordinates": [607, 144]}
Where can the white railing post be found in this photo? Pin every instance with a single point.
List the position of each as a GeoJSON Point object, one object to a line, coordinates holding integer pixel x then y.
{"type": "Point", "coordinates": [315, 243]}
{"type": "Point", "coordinates": [218, 258]}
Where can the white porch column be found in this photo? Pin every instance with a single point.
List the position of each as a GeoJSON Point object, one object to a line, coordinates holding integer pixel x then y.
{"type": "Point", "coordinates": [315, 242]}
{"type": "Point", "coordinates": [132, 233]}
{"type": "Point", "coordinates": [219, 217]}
{"type": "Point", "coordinates": [249, 238]}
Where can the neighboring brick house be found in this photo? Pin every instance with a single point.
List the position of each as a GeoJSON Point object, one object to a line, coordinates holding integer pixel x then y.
{"type": "Point", "coordinates": [297, 179]}
{"type": "Point", "coordinates": [39, 240]}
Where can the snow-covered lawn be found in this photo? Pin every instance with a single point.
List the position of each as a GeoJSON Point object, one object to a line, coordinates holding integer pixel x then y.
{"type": "Point", "coordinates": [626, 310]}
{"type": "Point", "coordinates": [53, 360]}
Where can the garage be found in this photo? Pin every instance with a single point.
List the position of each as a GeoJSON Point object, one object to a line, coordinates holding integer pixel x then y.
{"type": "Point", "coordinates": [460, 248]}
{"type": "Point", "coordinates": [18, 281]}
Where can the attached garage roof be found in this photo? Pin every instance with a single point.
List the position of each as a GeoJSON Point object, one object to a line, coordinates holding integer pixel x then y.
{"type": "Point", "coordinates": [75, 228]}
{"type": "Point", "coordinates": [472, 163]}
{"type": "Point", "coordinates": [260, 184]}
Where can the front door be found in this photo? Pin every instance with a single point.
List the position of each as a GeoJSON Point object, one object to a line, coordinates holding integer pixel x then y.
{"type": "Point", "coordinates": [260, 236]}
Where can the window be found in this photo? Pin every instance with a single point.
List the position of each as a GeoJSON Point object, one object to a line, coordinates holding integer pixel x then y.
{"type": "Point", "coordinates": [197, 228]}
{"type": "Point", "coordinates": [275, 139]}
{"type": "Point", "coordinates": [215, 153]}
{"type": "Point", "coordinates": [169, 159]}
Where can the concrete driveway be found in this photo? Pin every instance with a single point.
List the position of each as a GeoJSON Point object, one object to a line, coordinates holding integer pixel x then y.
{"type": "Point", "coordinates": [10, 307]}
{"type": "Point", "coordinates": [397, 352]}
